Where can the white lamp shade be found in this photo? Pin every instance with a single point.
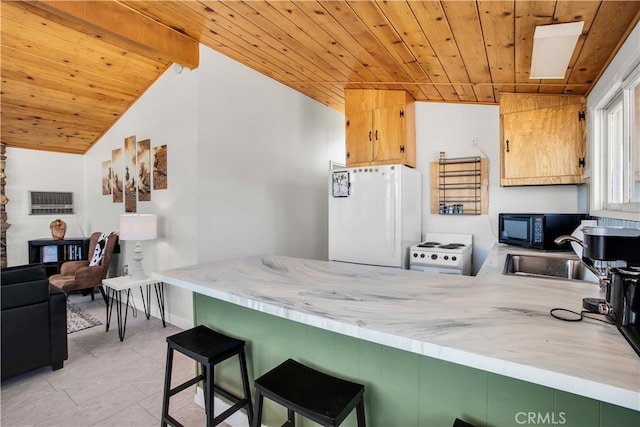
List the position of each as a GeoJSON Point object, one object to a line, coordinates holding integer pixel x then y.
{"type": "Point", "coordinates": [138, 227]}
{"type": "Point", "coordinates": [553, 46]}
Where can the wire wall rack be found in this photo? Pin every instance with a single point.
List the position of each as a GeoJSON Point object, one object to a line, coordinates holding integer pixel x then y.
{"type": "Point", "coordinates": [459, 186]}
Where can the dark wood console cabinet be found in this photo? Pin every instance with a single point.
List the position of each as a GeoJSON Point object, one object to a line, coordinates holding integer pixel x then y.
{"type": "Point", "coordinates": [52, 253]}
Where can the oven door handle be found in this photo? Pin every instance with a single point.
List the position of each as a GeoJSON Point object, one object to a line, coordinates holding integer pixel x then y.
{"type": "Point", "coordinates": [441, 270]}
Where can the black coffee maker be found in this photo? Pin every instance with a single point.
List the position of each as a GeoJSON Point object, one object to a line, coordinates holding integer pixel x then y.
{"type": "Point", "coordinates": [616, 251]}
{"type": "Point", "coordinates": [623, 296]}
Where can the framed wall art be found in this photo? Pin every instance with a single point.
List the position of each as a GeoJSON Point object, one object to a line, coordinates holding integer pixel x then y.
{"type": "Point", "coordinates": [160, 167]}
{"type": "Point", "coordinates": [144, 170]}
{"type": "Point", "coordinates": [106, 177]}
{"type": "Point", "coordinates": [116, 174]}
{"type": "Point", "coordinates": [128, 175]}
{"type": "Point", "coordinates": [130, 198]}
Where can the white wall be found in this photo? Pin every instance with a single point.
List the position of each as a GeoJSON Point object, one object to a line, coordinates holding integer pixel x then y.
{"type": "Point", "coordinates": [32, 170]}
{"type": "Point", "coordinates": [166, 114]}
{"type": "Point", "coordinates": [263, 161]}
{"type": "Point", "coordinates": [451, 128]}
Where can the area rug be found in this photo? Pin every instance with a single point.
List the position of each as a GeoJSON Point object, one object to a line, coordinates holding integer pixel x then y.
{"type": "Point", "coordinates": [78, 320]}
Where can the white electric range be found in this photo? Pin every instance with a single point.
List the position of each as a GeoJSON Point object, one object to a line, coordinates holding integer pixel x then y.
{"type": "Point", "coordinates": [449, 253]}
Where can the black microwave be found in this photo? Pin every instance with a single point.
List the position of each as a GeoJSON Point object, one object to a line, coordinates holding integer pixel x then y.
{"type": "Point", "coordinates": [537, 231]}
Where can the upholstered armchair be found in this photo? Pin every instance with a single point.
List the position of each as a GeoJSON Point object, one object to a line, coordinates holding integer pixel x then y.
{"type": "Point", "coordinates": [88, 274]}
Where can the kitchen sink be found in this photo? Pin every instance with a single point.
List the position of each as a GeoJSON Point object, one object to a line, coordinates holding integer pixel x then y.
{"type": "Point", "coordinates": [549, 267]}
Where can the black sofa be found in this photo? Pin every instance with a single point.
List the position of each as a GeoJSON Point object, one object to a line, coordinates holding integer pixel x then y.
{"type": "Point", "coordinates": [34, 321]}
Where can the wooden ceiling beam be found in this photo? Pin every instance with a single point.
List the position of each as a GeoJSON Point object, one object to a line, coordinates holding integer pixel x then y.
{"type": "Point", "coordinates": [116, 23]}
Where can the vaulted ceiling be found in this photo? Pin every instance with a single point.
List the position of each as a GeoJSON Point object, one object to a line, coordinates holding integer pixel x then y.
{"type": "Point", "coordinates": [71, 69]}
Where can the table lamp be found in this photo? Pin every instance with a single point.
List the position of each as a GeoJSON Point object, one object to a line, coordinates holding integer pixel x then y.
{"type": "Point", "coordinates": [138, 227]}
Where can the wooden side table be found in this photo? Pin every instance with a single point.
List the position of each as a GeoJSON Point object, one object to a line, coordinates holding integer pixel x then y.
{"type": "Point", "coordinates": [115, 288]}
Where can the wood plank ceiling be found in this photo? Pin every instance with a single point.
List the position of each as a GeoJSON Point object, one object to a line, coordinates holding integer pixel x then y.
{"type": "Point", "coordinates": [70, 70]}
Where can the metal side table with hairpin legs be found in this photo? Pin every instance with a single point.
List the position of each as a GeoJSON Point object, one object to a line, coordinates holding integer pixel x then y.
{"type": "Point", "coordinates": [116, 286]}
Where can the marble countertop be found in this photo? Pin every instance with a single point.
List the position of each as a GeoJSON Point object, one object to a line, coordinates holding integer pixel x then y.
{"type": "Point", "coordinates": [492, 322]}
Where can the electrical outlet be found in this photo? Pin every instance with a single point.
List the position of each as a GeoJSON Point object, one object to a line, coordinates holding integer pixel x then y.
{"type": "Point", "coordinates": [474, 142]}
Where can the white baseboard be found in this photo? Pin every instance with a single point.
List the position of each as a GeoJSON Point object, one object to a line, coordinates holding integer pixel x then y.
{"type": "Point", "coordinates": [178, 321]}
{"type": "Point", "coordinates": [237, 419]}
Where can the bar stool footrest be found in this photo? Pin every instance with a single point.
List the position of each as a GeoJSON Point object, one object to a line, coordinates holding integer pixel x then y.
{"type": "Point", "coordinates": [238, 403]}
{"type": "Point", "coordinates": [185, 385]}
{"type": "Point", "coordinates": [227, 394]}
{"type": "Point", "coordinates": [228, 412]}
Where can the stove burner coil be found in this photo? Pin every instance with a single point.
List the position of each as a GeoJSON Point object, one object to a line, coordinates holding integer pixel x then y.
{"type": "Point", "coordinates": [452, 246]}
{"type": "Point", "coordinates": [429, 245]}
{"type": "Point", "coordinates": [440, 245]}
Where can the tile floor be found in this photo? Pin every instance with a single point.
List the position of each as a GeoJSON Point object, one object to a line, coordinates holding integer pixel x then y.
{"type": "Point", "coordinates": [104, 382]}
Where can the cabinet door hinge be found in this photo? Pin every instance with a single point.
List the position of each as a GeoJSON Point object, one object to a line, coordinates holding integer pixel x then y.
{"type": "Point", "coordinates": [402, 148]}
{"type": "Point", "coordinates": [348, 123]}
{"type": "Point", "coordinates": [401, 113]}
{"type": "Point", "coordinates": [581, 162]}
{"type": "Point", "coordinates": [581, 116]}
{"type": "Point", "coordinates": [348, 155]}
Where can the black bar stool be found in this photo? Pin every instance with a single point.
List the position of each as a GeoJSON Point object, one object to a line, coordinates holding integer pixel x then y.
{"type": "Point", "coordinates": [208, 348]}
{"type": "Point", "coordinates": [322, 398]}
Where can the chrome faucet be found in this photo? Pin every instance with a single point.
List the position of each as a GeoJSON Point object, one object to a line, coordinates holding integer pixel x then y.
{"type": "Point", "coordinates": [567, 238]}
{"type": "Point", "coordinates": [601, 272]}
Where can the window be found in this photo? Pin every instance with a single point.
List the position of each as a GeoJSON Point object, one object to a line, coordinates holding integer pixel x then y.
{"type": "Point", "coordinates": [635, 141]}
{"type": "Point", "coordinates": [614, 141]}
{"type": "Point", "coordinates": [617, 162]}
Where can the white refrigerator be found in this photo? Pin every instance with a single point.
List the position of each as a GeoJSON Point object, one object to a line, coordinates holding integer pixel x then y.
{"type": "Point", "coordinates": [375, 214]}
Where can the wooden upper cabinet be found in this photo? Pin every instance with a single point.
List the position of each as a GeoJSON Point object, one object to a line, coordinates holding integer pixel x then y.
{"type": "Point", "coordinates": [380, 127]}
{"type": "Point", "coordinates": [359, 135]}
{"type": "Point", "coordinates": [543, 139]}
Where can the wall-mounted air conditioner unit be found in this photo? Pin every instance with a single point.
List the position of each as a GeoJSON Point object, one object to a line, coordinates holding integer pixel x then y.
{"type": "Point", "coordinates": [50, 202]}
